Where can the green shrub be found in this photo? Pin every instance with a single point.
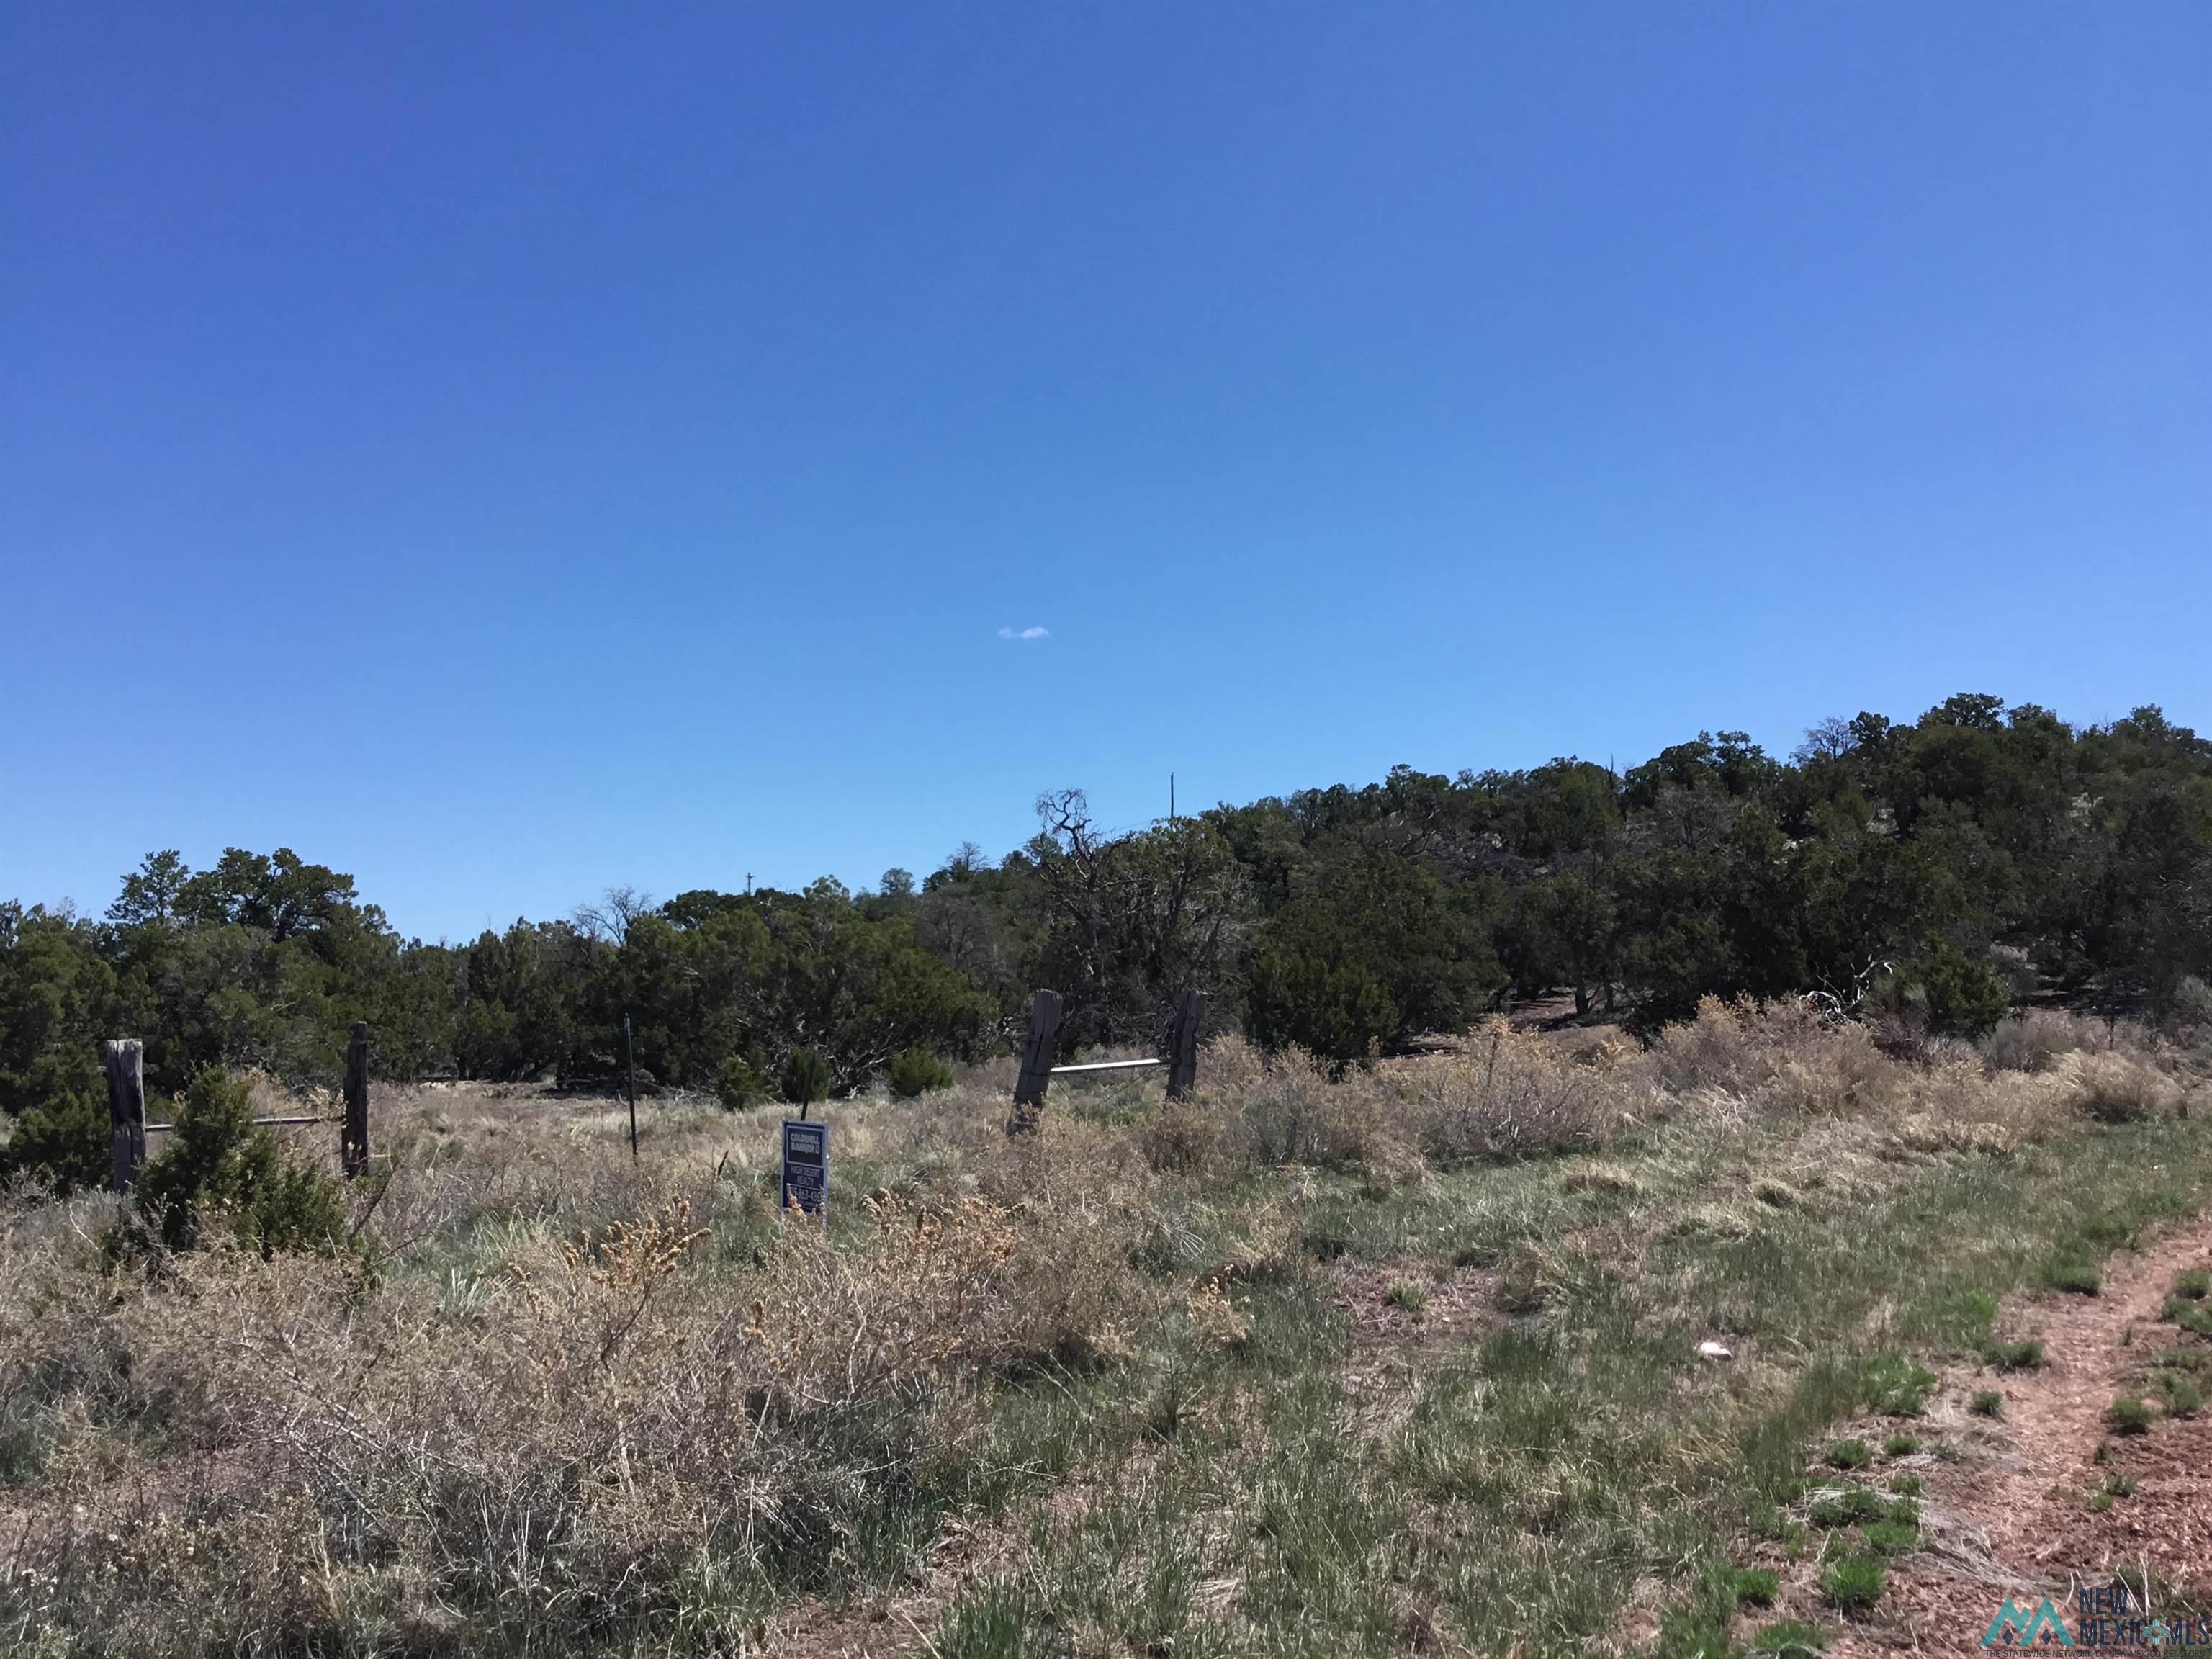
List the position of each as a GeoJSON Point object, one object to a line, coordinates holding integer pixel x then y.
{"type": "Point", "coordinates": [742, 1081]}
{"type": "Point", "coordinates": [1890, 1537]}
{"type": "Point", "coordinates": [1909, 1485]}
{"type": "Point", "coordinates": [2194, 1282]}
{"type": "Point", "coordinates": [1697, 1627]}
{"type": "Point", "coordinates": [2112, 1230]}
{"type": "Point", "coordinates": [1855, 1583]}
{"type": "Point", "coordinates": [2023, 1356]}
{"type": "Point", "coordinates": [1787, 1638]}
{"type": "Point", "coordinates": [2128, 1415]}
{"type": "Point", "coordinates": [916, 1072]}
{"type": "Point", "coordinates": [220, 1166]}
{"type": "Point", "coordinates": [1956, 994]}
{"type": "Point", "coordinates": [1373, 951]}
{"type": "Point", "coordinates": [65, 1143]}
{"type": "Point", "coordinates": [2180, 1395]}
{"type": "Point", "coordinates": [1857, 1504]}
{"type": "Point", "coordinates": [1850, 1454]}
{"type": "Point", "coordinates": [1901, 1445]}
{"type": "Point", "coordinates": [1895, 1386]}
{"type": "Point", "coordinates": [1987, 1402]}
{"type": "Point", "coordinates": [1904, 1512]}
{"type": "Point", "coordinates": [805, 1077]}
{"type": "Point", "coordinates": [989, 1621]}
{"type": "Point", "coordinates": [1405, 1294]}
{"type": "Point", "coordinates": [1975, 1312]}
{"type": "Point", "coordinates": [2195, 1316]}
{"type": "Point", "coordinates": [2073, 1273]}
{"type": "Point", "coordinates": [1757, 1586]}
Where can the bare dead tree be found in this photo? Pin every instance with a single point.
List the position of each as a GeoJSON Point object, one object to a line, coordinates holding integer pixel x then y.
{"type": "Point", "coordinates": [1138, 919]}
{"type": "Point", "coordinates": [1831, 739]}
{"type": "Point", "coordinates": [609, 920]}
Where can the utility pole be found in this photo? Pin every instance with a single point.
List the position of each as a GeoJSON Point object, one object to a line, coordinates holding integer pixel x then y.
{"type": "Point", "coordinates": [1171, 816]}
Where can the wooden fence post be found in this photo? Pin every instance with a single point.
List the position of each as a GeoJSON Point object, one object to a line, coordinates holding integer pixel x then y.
{"type": "Point", "coordinates": [124, 1062]}
{"type": "Point", "coordinates": [1037, 1063]}
{"type": "Point", "coordinates": [1182, 1045]}
{"type": "Point", "coordinates": [353, 1138]}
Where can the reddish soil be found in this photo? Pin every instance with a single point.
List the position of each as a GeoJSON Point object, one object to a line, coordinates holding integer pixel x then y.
{"type": "Point", "coordinates": [1455, 1306]}
{"type": "Point", "coordinates": [2011, 1515]}
{"type": "Point", "coordinates": [1390, 1342]}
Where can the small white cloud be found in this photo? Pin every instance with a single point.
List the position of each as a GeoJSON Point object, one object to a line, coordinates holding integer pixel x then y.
{"type": "Point", "coordinates": [1025, 632]}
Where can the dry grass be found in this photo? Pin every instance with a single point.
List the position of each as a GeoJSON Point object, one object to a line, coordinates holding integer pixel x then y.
{"type": "Point", "coordinates": [2034, 1041]}
{"type": "Point", "coordinates": [536, 1407]}
{"type": "Point", "coordinates": [1495, 1095]}
{"type": "Point", "coordinates": [1784, 1056]}
{"type": "Point", "coordinates": [569, 1401]}
{"type": "Point", "coordinates": [2119, 1087]}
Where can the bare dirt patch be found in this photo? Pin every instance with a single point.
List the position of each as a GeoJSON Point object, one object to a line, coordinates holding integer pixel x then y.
{"type": "Point", "coordinates": [1452, 1305]}
{"type": "Point", "coordinates": [1392, 1341]}
{"type": "Point", "coordinates": [2013, 1511]}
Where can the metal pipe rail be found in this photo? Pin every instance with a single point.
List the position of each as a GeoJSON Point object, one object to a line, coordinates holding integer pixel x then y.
{"type": "Point", "coordinates": [123, 1060]}
{"type": "Point", "coordinates": [1037, 1070]}
{"type": "Point", "coordinates": [152, 1127]}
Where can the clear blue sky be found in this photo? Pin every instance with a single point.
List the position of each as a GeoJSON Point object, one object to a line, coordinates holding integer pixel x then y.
{"type": "Point", "coordinates": [507, 452]}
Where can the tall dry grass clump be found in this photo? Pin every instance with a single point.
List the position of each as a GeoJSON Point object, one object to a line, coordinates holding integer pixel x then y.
{"type": "Point", "coordinates": [1505, 1094]}
{"type": "Point", "coordinates": [2189, 1019]}
{"type": "Point", "coordinates": [2117, 1086]}
{"type": "Point", "coordinates": [2108, 1071]}
{"type": "Point", "coordinates": [621, 1429]}
{"type": "Point", "coordinates": [1292, 1112]}
{"type": "Point", "coordinates": [1499, 1094]}
{"type": "Point", "coordinates": [1782, 1056]}
{"type": "Point", "coordinates": [2036, 1040]}
{"type": "Point", "coordinates": [2036, 1074]}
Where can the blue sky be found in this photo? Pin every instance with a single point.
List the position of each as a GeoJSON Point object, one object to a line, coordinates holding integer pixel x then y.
{"type": "Point", "coordinates": [505, 451]}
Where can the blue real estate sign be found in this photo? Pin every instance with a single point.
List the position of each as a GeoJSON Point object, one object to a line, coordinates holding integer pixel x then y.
{"type": "Point", "coordinates": [805, 1167]}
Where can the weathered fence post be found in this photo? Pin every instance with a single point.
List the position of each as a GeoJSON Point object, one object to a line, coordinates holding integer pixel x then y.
{"type": "Point", "coordinates": [1182, 1045]}
{"type": "Point", "coordinates": [353, 1138]}
{"type": "Point", "coordinates": [1037, 1063]}
{"type": "Point", "coordinates": [124, 1060]}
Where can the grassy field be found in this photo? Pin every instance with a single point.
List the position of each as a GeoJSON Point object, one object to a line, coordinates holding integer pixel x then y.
{"type": "Point", "coordinates": [1406, 1363]}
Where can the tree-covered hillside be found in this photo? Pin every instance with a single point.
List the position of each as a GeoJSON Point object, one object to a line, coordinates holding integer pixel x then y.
{"type": "Point", "coordinates": [1932, 871]}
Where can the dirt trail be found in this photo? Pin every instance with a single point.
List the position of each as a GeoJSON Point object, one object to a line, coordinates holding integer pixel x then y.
{"type": "Point", "coordinates": [2012, 1514]}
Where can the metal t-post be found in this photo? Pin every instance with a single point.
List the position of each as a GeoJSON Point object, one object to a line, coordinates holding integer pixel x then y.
{"type": "Point", "coordinates": [629, 1071]}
